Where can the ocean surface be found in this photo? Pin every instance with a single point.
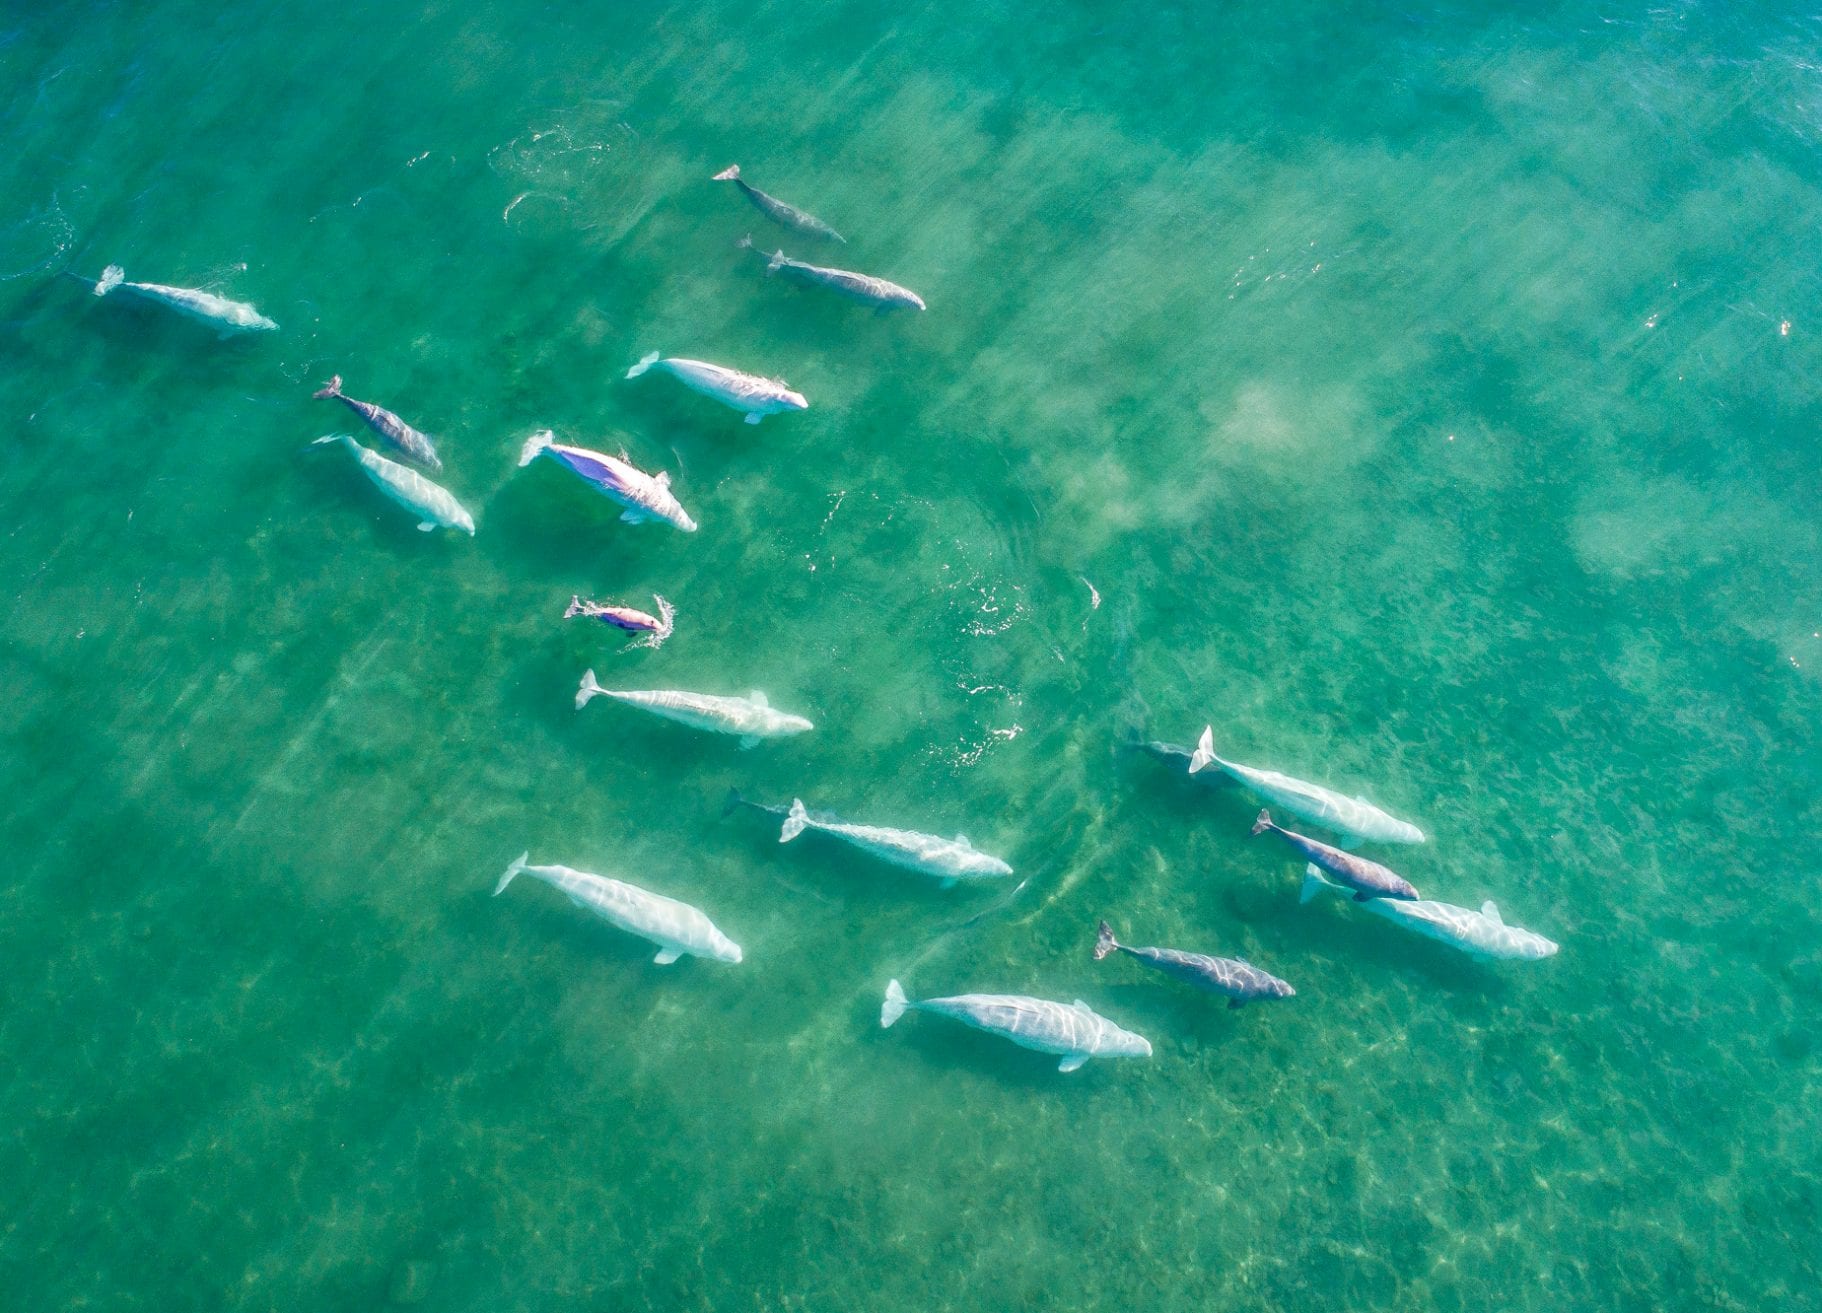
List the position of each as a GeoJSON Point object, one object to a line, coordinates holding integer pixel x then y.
{"type": "Point", "coordinates": [1427, 397]}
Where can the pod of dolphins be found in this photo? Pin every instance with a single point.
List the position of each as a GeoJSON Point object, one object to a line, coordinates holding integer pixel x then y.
{"type": "Point", "coordinates": [1073, 1032]}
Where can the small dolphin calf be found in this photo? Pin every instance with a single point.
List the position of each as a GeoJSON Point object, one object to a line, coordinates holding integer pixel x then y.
{"type": "Point", "coordinates": [776, 210]}
{"type": "Point", "coordinates": [645, 496]}
{"type": "Point", "coordinates": [1240, 982]}
{"type": "Point", "coordinates": [383, 422]}
{"type": "Point", "coordinates": [432, 503]}
{"type": "Point", "coordinates": [1482, 935]}
{"type": "Point", "coordinates": [865, 288]}
{"type": "Point", "coordinates": [756, 396]}
{"type": "Point", "coordinates": [225, 316]}
{"type": "Point", "coordinates": [677, 928]}
{"type": "Point", "coordinates": [948, 860]}
{"type": "Point", "coordinates": [1367, 879]}
{"type": "Point", "coordinates": [656, 628]}
{"type": "Point", "coordinates": [1354, 818]}
{"type": "Point", "coordinates": [1073, 1030]}
{"type": "Point", "coordinates": [751, 717]}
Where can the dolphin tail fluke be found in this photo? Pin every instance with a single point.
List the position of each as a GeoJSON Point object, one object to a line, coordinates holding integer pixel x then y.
{"type": "Point", "coordinates": [731, 803]}
{"type": "Point", "coordinates": [794, 822]}
{"type": "Point", "coordinates": [331, 437]}
{"type": "Point", "coordinates": [111, 277]}
{"type": "Point", "coordinates": [1205, 751]}
{"type": "Point", "coordinates": [728, 174]}
{"type": "Point", "coordinates": [518, 864]}
{"type": "Point", "coordinates": [646, 361]}
{"type": "Point", "coordinates": [745, 243]}
{"type": "Point", "coordinates": [333, 388]}
{"type": "Point", "coordinates": [1264, 822]}
{"type": "Point", "coordinates": [575, 607]}
{"type": "Point", "coordinates": [894, 1006]}
{"type": "Point", "coordinates": [535, 444]}
{"type": "Point", "coordinates": [1313, 883]}
{"type": "Point", "coordinates": [1104, 942]}
{"type": "Point", "coordinates": [588, 691]}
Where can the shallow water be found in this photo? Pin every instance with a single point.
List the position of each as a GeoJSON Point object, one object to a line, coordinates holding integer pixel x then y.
{"type": "Point", "coordinates": [1428, 398]}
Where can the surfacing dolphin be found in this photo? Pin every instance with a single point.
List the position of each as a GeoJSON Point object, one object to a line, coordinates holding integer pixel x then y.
{"type": "Point", "coordinates": [225, 316]}
{"type": "Point", "coordinates": [1353, 818]}
{"type": "Point", "coordinates": [1074, 1030]}
{"type": "Point", "coordinates": [656, 628]}
{"type": "Point", "coordinates": [865, 288]}
{"type": "Point", "coordinates": [949, 860]}
{"type": "Point", "coordinates": [645, 496]}
{"type": "Point", "coordinates": [1482, 935]}
{"type": "Point", "coordinates": [751, 717]}
{"type": "Point", "coordinates": [383, 422]}
{"type": "Point", "coordinates": [1239, 982]}
{"type": "Point", "coordinates": [776, 210]}
{"type": "Point", "coordinates": [432, 503]}
{"type": "Point", "coordinates": [1367, 879]}
{"type": "Point", "coordinates": [677, 928]}
{"type": "Point", "coordinates": [755, 396]}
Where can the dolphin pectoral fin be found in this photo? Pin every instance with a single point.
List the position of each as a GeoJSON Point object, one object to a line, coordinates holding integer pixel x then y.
{"type": "Point", "coordinates": [666, 956]}
{"type": "Point", "coordinates": [748, 741]}
{"type": "Point", "coordinates": [1235, 1004]}
{"type": "Point", "coordinates": [1072, 1062]}
{"type": "Point", "coordinates": [631, 517]}
{"type": "Point", "coordinates": [947, 882]}
{"type": "Point", "coordinates": [1348, 842]}
{"type": "Point", "coordinates": [1363, 898]}
{"type": "Point", "coordinates": [753, 417]}
{"type": "Point", "coordinates": [425, 527]}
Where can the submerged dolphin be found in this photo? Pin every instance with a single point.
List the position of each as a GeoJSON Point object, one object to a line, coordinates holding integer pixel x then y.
{"type": "Point", "coordinates": [432, 503]}
{"type": "Point", "coordinates": [645, 496]}
{"type": "Point", "coordinates": [225, 316]}
{"type": "Point", "coordinates": [656, 628]}
{"type": "Point", "coordinates": [865, 288]}
{"type": "Point", "coordinates": [1482, 935]}
{"type": "Point", "coordinates": [1241, 982]}
{"type": "Point", "coordinates": [756, 396]}
{"type": "Point", "coordinates": [1073, 1030]}
{"type": "Point", "coordinates": [383, 422]}
{"type": "Point", "coordinates": [751, 717]}
{"type": "Point", "coordinates": [1366, 879]}
{"type": "Point", "coordinates": [948, 860]}
{"type": "Point", "coordinates": [1354, 818]}
{"type": "Point", "coordinates": [776, 210]}
{"type": "Point", "coordinates": [677, 928]}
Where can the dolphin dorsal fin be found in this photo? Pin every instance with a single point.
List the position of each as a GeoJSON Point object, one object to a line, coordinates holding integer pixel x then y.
{"type": "Point", "coordinates": [1079, 1004]}
{"type": "Point", "coordinates": [757, 699]}
{"type": "Point", "coordinates": [1490, 910]}
{"type": "Point", "coordinates": [962, 839]}
{"type": "Point", "coordinates": [664, 478]}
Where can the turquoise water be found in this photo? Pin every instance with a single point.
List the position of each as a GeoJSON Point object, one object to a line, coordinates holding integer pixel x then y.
{"type": "Point", "coordinates": [1430, 397]}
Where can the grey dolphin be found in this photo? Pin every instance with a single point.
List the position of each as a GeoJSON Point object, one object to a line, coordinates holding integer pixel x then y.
{"type": "Point", "coordinates": [389, 426]}
{"type": "Point", "coordinates": [865, 288]}
{"type": "Point", "coordinates": [776, 210]}
{"type": "Point", "coordinates": [1240, 982]}
{"type": "Point", "coordinates": [1367, 879]}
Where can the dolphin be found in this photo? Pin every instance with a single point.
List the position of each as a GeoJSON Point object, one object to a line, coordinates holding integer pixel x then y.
{"type": "Point", "coordinates": [645, 496]}
{"type": "Point", "coordinates": [865, 288]}
{"type": "Point", "coordinates": [948, 860]}
{"type": "Point", "coordinates": [1074, 1030]}
{"type": "Point", "coordinates": [1175, 754]}
{"type": "Point", "coordinates": [1482, 935]}
{"type": "Point", "coordinates": [677, 928]}
{"type": "Point", "coordinates": [1241, 982]}
{"type": "Point", "coordinates": [776, 210]}
{"type": "Point", "coordinates": [434, 504]}
{"type": "Point", "coordinates": [756, 396]}
{"type": "Point", "coordinates": [383, 422]}
{"type": "Point", "coordinates": [1367, 879]}
{"type": "Point", "coordinates": [656, 628]}
{"type": "Point", "coordinates": [751, 717]}
{"type": "Point", "coordinates": [225, 316]}
{"type": "Point", "coordinates": [1353, 818]}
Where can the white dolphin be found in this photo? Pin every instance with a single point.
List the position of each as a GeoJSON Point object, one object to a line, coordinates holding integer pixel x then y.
{"type": "Point", "coordinates": [1482, 935]}
{"type": "Point", "coordinates": [1355, 818]}
{"type": "Point", "coordinates": [431, 502]}
{"type": "Point", "coordinates": [645, 496]}
{"type": "Point", "coordinates": [677, 928]}
{"type": "Point", "coordinates": [751, 717]}
{"type": "Point", "coordinates": [225, 316]}
{"type": "Point", "coordinates": [1074, 1030]}
{"type": "Point", "coordinates": [756, 396]}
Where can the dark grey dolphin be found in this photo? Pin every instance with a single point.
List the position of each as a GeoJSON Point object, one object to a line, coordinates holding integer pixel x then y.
{"type": "Point", "coordinates": [776, 210]}
{"type": "Point", "coordinates": [383, 422]}
{"type": "Point", "coordinates": [879, 293]}
{"type": "Point", "coordinates": [1240, 982]}
{"type": "Point", "coordinates": [1367, 879]}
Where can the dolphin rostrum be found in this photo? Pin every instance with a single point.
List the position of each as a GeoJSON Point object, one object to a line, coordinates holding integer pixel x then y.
{"type": "Point", "coordinates": [1353, 818]}
{"type": "Point", "coordinates": [225, 316]}
{"type": "Point", "coordinates": [757, 397]}
{"type": "Point", "coordinates": [1482, 935]}
{"type": "Point", "coordinates": [751, 717]}
{"type": "Point", "coordinates": [1073, 1030]}
{"type": "Point", "coordinates": [1367, 879]}
{"type": "Point", "coordinates": [865, 288]}
{"type": "Point", "coordinates": [645, 496]}
{"type": "Point", "coordinates": [1240, 982]}
{"type": "Point", "coordinates": [948, 860]}
{"type": "Point", "coordinates": [383, 422]}
{"type": "Point", "coordinates": [677, 928]}
{"type": "Point", "coordinates": [432, 503]}
{"type": "Point", "coordinates": [776, 210]}
{"type": "Point", "coordinates": [656, 628]}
